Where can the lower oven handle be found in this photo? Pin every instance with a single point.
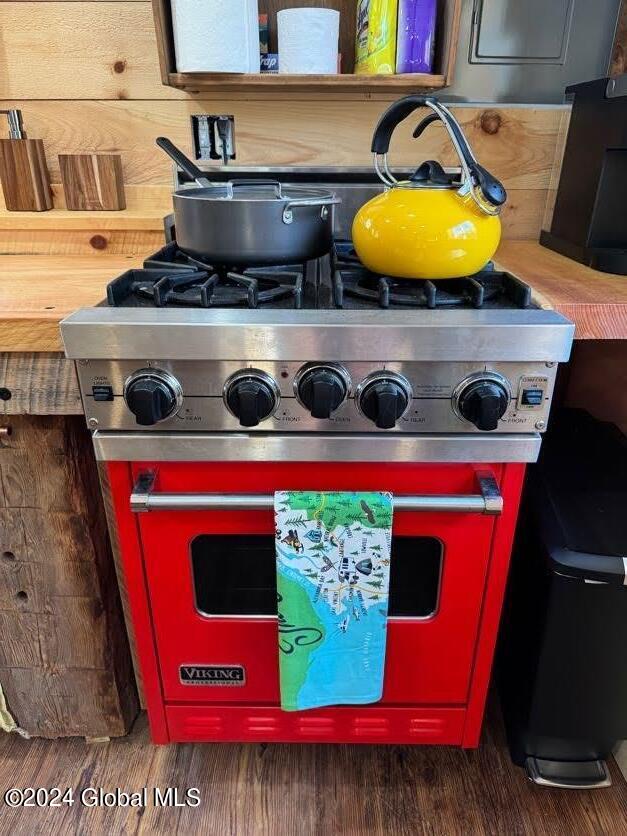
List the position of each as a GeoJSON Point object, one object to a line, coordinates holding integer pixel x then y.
{"type": "Point", "coordinates": [489, 501]}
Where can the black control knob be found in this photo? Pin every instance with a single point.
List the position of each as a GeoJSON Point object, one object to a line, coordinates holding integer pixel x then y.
{"type": "Point", "coordinates": [483, 402]}
{"type": "Point", "coordinates": [384, 400]}
{"type": "Point", "coordinates": [251, 398]}
{"type": "Point", "coordinates": [152, 396]}
{"type": "Point", "coordinates": [322, 390]}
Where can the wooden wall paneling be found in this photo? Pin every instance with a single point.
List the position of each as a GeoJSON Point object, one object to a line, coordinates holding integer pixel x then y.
{"type": "Point", "coordinates": [136, 231]}
{"type": "Point", "coordinates": [39, 384]}
{"type": "Point", "coordinates": [69, 702]}
{"type": "Point", "coordinates": [19, 644]}
{"type": "Point", "coordinates": [91, 242]}
{"type": "Point", "coordinates": [118, 56]}
{"type": "Point", "coordinates": [113, 54]}
{"type": "Point", "coordinates": [64, 658]}
{"type": "Point", "coordinates": [145, 206]}
{"type": "Point", "coordinates": [516, 143]}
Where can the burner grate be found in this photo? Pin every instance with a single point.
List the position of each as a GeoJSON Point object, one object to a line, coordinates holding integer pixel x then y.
{"type": "Point", "coordinates": [488, 288]}
{"type": "Point", "coordinates": [171, 278]}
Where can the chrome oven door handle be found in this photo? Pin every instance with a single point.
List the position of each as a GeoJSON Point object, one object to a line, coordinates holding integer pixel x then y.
{"type": "Point", "coordinates": [487, 501]}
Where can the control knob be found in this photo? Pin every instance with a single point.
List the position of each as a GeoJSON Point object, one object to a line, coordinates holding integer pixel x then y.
{"type": "Point", "coordinates": [322, 389]}
{"type": "Point", "coordinates": [384, 397]}
{"type": "Point", "coordinates": [482, 400]}
{"type": "Point", "coordinates": [251, 396]}
{"type": "Point", "coordinates": [152, 395]}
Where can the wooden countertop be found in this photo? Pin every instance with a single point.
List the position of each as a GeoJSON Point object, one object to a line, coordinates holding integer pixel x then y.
{"type": "Point", "coordinates": [596, 302]}
{"type": "Point", "coordinates": [36, 292]}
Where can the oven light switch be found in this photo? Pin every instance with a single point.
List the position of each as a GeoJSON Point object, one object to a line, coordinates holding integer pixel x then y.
{"type": "Point", "coordinates": [532, 397]}
{"type": "Point", "coordinates": [102, 393]}
{"type": "Point", "coordinates": [532, 392]}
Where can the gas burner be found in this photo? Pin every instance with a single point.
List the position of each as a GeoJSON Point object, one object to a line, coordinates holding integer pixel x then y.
{"type": "Point", "coordinates": [171, 278]}
{"type": "Point", "coordinates": [487, 289]}
{"type": "Point", "coordinates": [387, 291]}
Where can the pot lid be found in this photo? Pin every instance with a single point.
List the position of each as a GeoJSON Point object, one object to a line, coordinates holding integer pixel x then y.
{"type": "Point", "coordinates": [255, 190]}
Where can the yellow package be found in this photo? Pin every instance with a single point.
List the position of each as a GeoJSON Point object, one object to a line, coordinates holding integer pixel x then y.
{"type": "Point", "coordinates": [375, 41]}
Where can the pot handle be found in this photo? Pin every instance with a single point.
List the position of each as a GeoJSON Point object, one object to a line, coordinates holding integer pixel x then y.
{"type": "Point", "coordinates": [487, 192]}
{"type": "Point", "coordinates": [288, 215]}
{"type": "Point", "coordinates": [251, 182]}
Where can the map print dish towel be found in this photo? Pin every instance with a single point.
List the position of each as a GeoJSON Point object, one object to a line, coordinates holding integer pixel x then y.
{"type": "Point", "coordinates": [333, 572]}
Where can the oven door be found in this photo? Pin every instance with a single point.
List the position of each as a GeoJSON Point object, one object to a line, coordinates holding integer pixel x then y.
{"type": "Point", "coordinates": [208, 539]}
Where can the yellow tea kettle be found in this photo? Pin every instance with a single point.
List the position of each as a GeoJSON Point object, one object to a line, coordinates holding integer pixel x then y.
{"type": "Point", "coordinates": [437, 224]}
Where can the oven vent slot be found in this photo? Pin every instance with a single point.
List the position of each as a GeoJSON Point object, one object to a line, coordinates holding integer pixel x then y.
{"type": "Point", "coordinates": [198, 727]}
{"type": "Point", "coordinates": [261, 724]}
{"type": "Point", "coordinates": [425, 726]}
{"type": "Point", "coordinates": [316, 725]}
{"type": "Point", "coordinates": [368, 726]}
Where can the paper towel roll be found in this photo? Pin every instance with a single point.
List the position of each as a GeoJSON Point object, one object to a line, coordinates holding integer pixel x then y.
{"type": "Point", "coordinates": [216, 36]}
{"type": "Point", "coordinates": [254, 64]}
{"type": "Point", "coordinates": [308, 40]}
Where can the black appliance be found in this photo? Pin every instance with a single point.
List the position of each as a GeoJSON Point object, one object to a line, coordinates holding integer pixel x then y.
{"type": "Point", "coordinates": [589, 221]}
{"type": "Point", "coordinates": [562, 662]}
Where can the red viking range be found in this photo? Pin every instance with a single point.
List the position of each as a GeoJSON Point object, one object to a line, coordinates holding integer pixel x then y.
{"type": "Point", "coordinates": [209, 386]}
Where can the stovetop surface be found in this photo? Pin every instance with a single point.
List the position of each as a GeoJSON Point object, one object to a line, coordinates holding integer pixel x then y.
{"type": "Point", "coordinates": [172, 279]}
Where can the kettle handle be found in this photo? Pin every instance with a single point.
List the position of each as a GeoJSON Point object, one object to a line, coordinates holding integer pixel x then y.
{"type": "Point", "coordinates": [485, 189]}
{"type": "Point", "coordinates": [393, 116]}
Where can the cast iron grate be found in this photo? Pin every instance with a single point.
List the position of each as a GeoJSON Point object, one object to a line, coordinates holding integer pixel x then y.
{"type": "Point", "coordinates": [172, 278]}
{"type": "Point", "coordinates": [488, 288]}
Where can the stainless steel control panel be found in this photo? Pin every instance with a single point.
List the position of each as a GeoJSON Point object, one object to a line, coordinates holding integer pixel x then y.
{"type": "Point", "coordinates": [431, 395]}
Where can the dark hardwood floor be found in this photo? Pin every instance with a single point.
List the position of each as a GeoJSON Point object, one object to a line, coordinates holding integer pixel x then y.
{"type": "Point", "coordinates": [302, 790]}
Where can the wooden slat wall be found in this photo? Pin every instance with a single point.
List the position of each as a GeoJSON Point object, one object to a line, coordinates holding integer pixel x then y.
{"type": "Point", "coordinates": [65, 665]}
{"type": "Point", "coordinates": [86, 76]}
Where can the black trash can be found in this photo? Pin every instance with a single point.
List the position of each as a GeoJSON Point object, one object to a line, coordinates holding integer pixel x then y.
{"type": "Point", "coordinates": [562, 659]}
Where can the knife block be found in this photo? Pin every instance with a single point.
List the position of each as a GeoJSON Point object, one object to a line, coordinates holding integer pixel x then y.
{"type": "Point", "coordinates": [24, 175]}
{"type": "Point", "coordinates": [92, 182]}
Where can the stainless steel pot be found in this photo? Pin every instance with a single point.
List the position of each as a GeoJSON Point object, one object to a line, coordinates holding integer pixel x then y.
{"type": "Point", "coordinates": [249, 222]}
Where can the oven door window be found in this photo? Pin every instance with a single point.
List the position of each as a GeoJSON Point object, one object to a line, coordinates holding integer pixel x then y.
{"type": "Point", "coordinates": [235, 575]}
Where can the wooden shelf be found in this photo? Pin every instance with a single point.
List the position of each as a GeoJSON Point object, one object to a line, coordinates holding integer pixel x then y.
{"type": "Point", "coordinates": [343, 82]}
{"type": "Point", "coordinates": [347, 82]}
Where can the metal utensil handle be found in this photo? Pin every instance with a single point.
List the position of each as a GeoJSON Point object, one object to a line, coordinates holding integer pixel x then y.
{"type": "Point", "coordinates": [16, 129]}
{"type": "Point", "coordinates": [183, 162]}
{"type": "Point", "coordinates": [297, 202]}
{"type": "Point", "coordinates": [489, 501]}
